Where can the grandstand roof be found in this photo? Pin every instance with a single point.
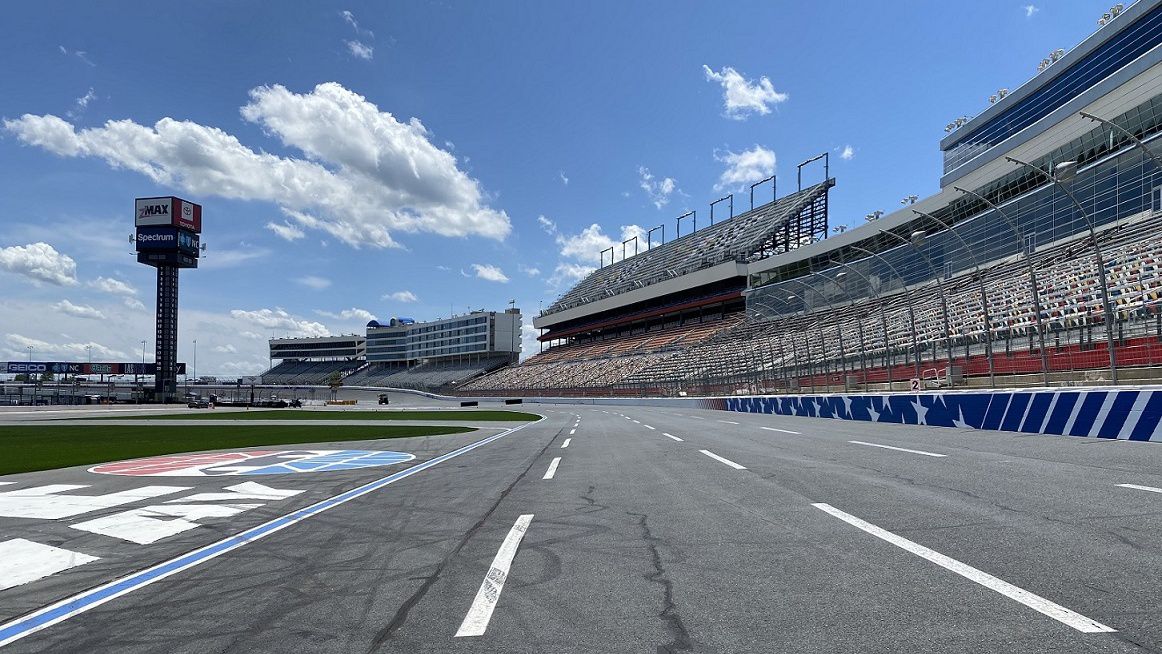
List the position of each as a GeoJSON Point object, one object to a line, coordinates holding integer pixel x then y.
{"type": "Point", "coordinates": [742, 238]}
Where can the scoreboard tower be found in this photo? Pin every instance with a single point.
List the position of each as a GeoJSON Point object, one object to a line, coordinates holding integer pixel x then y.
{"type": "Point", "coordinates": [167, 238]}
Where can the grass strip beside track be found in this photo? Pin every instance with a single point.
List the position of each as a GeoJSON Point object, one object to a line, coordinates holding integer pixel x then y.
{"type": "Point", "coordinates": [333, 414]}
{"type": "Point", "coordinates": [45, 447]}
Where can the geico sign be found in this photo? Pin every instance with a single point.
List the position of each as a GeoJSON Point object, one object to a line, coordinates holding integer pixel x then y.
{"type": "Point", "coordinates": [27, 367]}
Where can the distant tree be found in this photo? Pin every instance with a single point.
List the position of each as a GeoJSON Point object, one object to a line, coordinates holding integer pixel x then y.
{"type": "Point", "coordinates": [46, 376]}
{"type": "Point", "coordinates": [21, 378]}
{"type": "Point", "coordinates": [335, 380]}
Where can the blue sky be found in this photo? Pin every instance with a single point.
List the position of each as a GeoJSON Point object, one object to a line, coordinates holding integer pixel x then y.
{"type": "Point", "coordinates": [413, 159]}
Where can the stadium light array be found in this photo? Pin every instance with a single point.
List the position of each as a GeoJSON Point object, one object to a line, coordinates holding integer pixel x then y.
{"type": "Point", "coordinates": [875, 215]}
{"type": "Point", "coordinates": [909, 200]}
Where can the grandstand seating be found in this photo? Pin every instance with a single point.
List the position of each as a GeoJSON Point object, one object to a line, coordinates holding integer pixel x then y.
{"type": "Point", "coordinates": [802, 345]}
{"type": "Point", "coordinates": [307, 373]}
{"type": "Point", "coordinates": [432, 375]}
{"type": "Point", "coordinates": [735, 239]}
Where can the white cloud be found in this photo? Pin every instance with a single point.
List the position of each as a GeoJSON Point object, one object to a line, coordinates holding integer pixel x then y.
{"type": "Point", "coordinates": [363, 176]}
{"type": "Point", "coordinates": [18, 344]}
{"type": "Point", "coordinates": [529, 345]}
{"type": "Point", "coordinates": [1030, 10]}
{"type": "Point", "coordinates": [745, 167]}
{"type": "Point", "coordinates": [401, 296]}
{"type": "Point", "coordinates": [113, 286]}
{"type": "Point", "coordinates": [742, 97]}
{"type": "Point", "coordinates": [278, 319]}
{"type": "Point", "coordinates": [658, 191]}
{"type": "Point", "coordinates": [348, 314]}
{"type": "Point", "coordinates": [81, 103]}
{"type": "Point", "coordinates": [285, 231]}
{"type": "Point", "coordinates": [39, 262]}
{"type": "Point", "coordinates": [360, 50]}
{"type": "Point", "coordinates": [564, 180]}
{"type": "Point", "coordinates": [232, 257]}
{"type": "Point", "coordinates": [226, 349]}
{"type": "Point", "coordinates": [134, 303]}
{"type": "Point", "coordinates": [78, 310]}
{"type": "Point", "coordinates": [528, 270]}
{"type": "Point", "coordinates": [547, 225]}
{"type": "Point", "coordinates": [349, 18]}
{"type": "Point", "coordinates": [489, 272]}
{"type": "Point", "coordinates": [79, 54]}
{"type": "Point", "coordinates": [569, 272]}
{"type": "Point", "coordinates": [587, 245]}
{"type": "Point", "coordinates": [312, 281]}
{"type": "Point", "coordinates": [848, 153]}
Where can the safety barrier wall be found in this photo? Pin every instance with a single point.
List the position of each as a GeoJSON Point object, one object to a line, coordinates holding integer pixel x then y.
{"type": "Point", "coordinates": [1132, 414]}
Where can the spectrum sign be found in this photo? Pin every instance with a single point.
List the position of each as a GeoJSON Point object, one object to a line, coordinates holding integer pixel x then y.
{"type": "Point", "coordinates": [167, 238]}
{"type": "Point", "coordinates": [175, 212]}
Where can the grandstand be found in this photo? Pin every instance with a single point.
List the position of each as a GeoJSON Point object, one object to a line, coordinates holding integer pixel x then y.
{"type": "Point", "coordinates": [997, 279]}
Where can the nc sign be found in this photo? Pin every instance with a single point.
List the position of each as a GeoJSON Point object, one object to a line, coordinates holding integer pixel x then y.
{"type": "Point", "coordinates": [176, 212]}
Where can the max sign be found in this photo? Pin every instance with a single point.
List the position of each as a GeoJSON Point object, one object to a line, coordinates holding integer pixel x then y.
{"type": "Point", "coordinates": [170, 211]}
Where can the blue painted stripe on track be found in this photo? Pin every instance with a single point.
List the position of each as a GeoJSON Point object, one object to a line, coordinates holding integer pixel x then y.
{"type": "Point", "coordinates": [64, 609]}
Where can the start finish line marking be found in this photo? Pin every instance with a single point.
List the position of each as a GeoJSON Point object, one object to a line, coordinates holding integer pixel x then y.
{"type": "Point", "coordinates": [64, 609]}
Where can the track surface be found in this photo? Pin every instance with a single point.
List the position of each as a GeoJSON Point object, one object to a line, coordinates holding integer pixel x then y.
{"type": "Point", "coordinates": [641, 542]}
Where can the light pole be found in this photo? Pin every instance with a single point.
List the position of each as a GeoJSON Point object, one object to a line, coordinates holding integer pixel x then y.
{"type": "Point", "coordinates": [512, 341]}
{"type": "Point", "coordinates": [883, 315]}
{"type": "Point", "coordinates": [1032, 277]}
{"type": "Point", "coordinates": [1124, 132]}
{"type": "Point", "coordinates": [908, 297]}
{"type": "Point", "coordinates": [916, 238]}
{"type": "Point", "coordinates": [1065, 172]}
{"type": "Point", "coordinates": [822, 341]}
{"type": "Point", "coordinates": [838, 330]}
{"type": "Point", "coordinates": [195, 370]}
{"type": "Point", "coordinates": [984, 301]}
{"type": "Point", "coordinates": [29, 354]}
{"type": "Point", "coordinates": [858, 322]}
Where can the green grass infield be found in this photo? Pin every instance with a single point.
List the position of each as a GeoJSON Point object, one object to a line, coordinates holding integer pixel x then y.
{"type": "Point", "coordinates": [28, 448]}
{"type": "Point", "coordinates": [333, 414]}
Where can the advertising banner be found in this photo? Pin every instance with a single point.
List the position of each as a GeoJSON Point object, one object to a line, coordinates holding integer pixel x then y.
{"type": "Point", "coordinates": [177, 259]}
{"type": "Point", "coordinates": [69, 368]}
{"type": "Point", "coordinates": [167, 238]}
{"type": "Point", "coordinates": [154, 212]}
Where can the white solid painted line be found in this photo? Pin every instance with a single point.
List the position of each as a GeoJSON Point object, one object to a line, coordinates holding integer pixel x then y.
{"type": "Point", "coordinates": [728, 462]}
{"type": "Point", "coordinates": [647, 426]}
{"type": "Point", "coordinates": [672, 436]}
{"type": "Point", "coordinates": [1035, 602]}
{"type": "Point", "coordinates": [696, 417]}
{"type": "Point", "coordinates": [552, 468]}
{"type": "Point", "coordinates": [898, 449]}
{"type": "Point", "coordinates": [785, 431]}
{"type": "Point", "coordinates": [729, 422]}
{"type": "Point", "coordinates": [566, 443]}
{"type": "Point", "coordinates": [1145, 488]}
{"type": "Point", "coordinates": [23, 561]}
{"type": "Point", "coordinates": [572, 431]}
{"type": "Point", "coordinates": [476, 621]}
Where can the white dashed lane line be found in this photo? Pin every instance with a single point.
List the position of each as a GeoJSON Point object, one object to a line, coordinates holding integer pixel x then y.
{"type": "Point", "coordinates": [1142, 488]}
{"type": "Point", "coordinates": [785, 431]}
{"type": "Point", "coordinates": [566, 443]}
{"type": "Point", "coordinates": [552, 468]}
{"type": "Point", "coordinates": [898, 449]}
{"type": "Point", "coordinates": [729, 422]}
{"type": "Point", "coordinates": [672, 436]}
{"type": "Point", "coordinates": [647, 427]}
{"type": "Point", "coordinates": [572, 431]}
{"type": "Point", "coordinates": [1035, 602]}
{"type": "Point", "coordinates": [480, 613]}
{"type": "Point", "coordinates": [728, 462]}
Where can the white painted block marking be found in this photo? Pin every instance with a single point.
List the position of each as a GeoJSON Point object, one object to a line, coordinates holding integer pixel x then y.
{"type": "Point", "coordinates": [672, 436]}
{"type": "Point", "coordinates": [566, 443]}
{"type": "Point", "coordinates": [1035, 602]}
{"type": "Point", "coordinates": [1142, 488]}
{"type": "Point", "coordinates": [729, 422]}
{"type": "Point", "coordinates": [47, 503]}
{"type": "Point", "coordinates": [647, 427]}
{"type": "Point", "coordinates": [23, 561]}
{"type": "Point", "coordinates": [476, 621]}
{"type": "Point", "coordinates": [898, 449]}
{"type": "Point", "coordinates": [572, 431]}
{"type": "Point", "coordinates": [245, 491]}
{"type": "Point", "coordinates": [637, 422]}
{"type": "Point", "coordinates": [552, 468]}
{"type": "Point", "coordinates": [728, 462]}
{"type": "Point", "coordinates": [152, 523]}
{"type": "Point", "coordinates": [785, 431]}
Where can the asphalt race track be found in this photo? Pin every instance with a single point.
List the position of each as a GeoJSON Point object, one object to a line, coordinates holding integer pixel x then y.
{"type": "Point", "coordinates": [626, 529]}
